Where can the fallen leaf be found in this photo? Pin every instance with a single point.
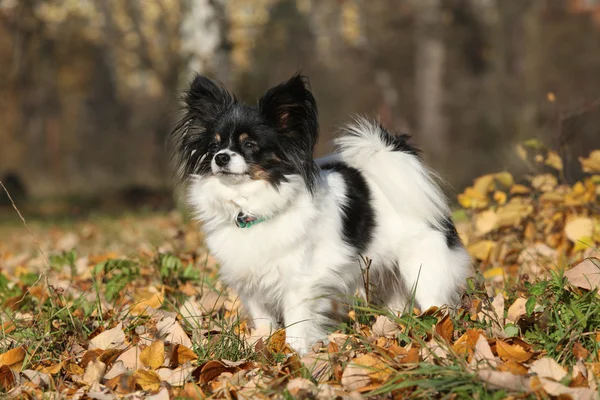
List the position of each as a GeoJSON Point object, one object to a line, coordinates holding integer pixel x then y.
{"type": "Point", "coordinates": [170, 330]}
{"type": "Point", "coordinates": [513, 367]}
{"type": "Point", "coordinates": [163, 394]}
{"type": "Point", "coordinates": [177, 376]}
{"type": "Point", "coordinates": [377, 370]}
{"type": "Point", "coordinates": [319, 366]}
{"type": "Point", "coordinates": [212, 369]}
{"type": "Point", "coordinates": [153, 356]}
{"type": "Point", "coordinates": [579, 228]}
{"type": "Point", "coordinates": [512, 352]}
{"type": "Point", "coordinates": [505, 380]}
{"type": "Point", "coordinates": [181, 355]}
{"type": "Point", "coordinates": [152, 301]}
{"type": "Point", "coordinates": [8, 378]}
{"type": "Point", "coordinates": [147, 380]}
{"type": "Point", "coordinates": [482, 353]}
{"type": "Point", "coordinates": [13, 358]}
{"type": "Point", "coordinates": [385, 327]}
{"type": "Point", "coordinates": [516, 310]}
{"type": "Point", "coordinates": [445, 328]}
{"type": "Point", "coordinates": [548, 368]}
{"type": "Point", "coordinates": [592, 163]}
{"type": "Point", "coordinates": [585, 275]}
{"type": "Point", "coordinates": [112, 338]}
{"type": "Point", "coordinates": [94, 372]}
{"type": "Point", "coordinates": [355, 377]}
{"type": "Point", "coordinates": [300, 387]}
{"type": "Point", "coordinates": [485, 222]}
{"type": "Point", "coordinates": [276, 342]}
{"type": "Point", "coordinates": [481, 250]}
{"type": "Point", "coordinates": [553, 160]}
{"type": "Point", "coordinates": [580, 352]}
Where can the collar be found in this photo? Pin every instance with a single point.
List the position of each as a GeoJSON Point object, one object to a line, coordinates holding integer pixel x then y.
{"type": "Point", "coordinates": [247, 220]}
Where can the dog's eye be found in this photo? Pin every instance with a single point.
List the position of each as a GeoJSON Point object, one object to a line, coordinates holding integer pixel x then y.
{"type": "Point", "coordinates": [248, 144]}
{"type": "Point", "coordinates": [214, 146]}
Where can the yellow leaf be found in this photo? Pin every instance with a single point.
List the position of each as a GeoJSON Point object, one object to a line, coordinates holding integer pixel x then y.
{"type": "Point", "coordinates": [553, 160]}
{"type": "Point", "coordinates": [471, 198]}
{"type": "Point", "coordinates": [500, 197]}
{"type": "Point", "coordinates": [484, 184]}
{"type": "Point", "coordinates": [493, 272]}
{"type": "Point", "coordinates": [579, 228]}
{"type": "Point", "coordinates": [147, 380]}
{"type": "Point", "coordinates": [583, 243]}
{"type": "Point", "coordinates": [512, 352]}
{"type": "Point", "coordinates": [277, 341]}
{"type": "Point", "coordinates": [504, 178]}
{"type": "Point", "coordinates": [153, 300]}
{"type": "Point", "coordinates": [153, 356]}
{"type": "Point", "coordinates": [485, 222]}
{"type": "Point", "coordinates": [544, 183]}
{"type": "Point", "coordinates": [13, 358]}
{"type": "Point", "coordinates": [185, 354]}
{"type": "Point", "coordinates": [481, 250]}
{"type": "Point", "coordinates": [53, 369]}
{"type": "Point", "coordinates": [377, 370]}
{"type": "Point", "coordinates": [592, 163]}
{"type": "Point", "coordinates": [519, 189]}
{"type": "Point", "coordinates": [513, 213]}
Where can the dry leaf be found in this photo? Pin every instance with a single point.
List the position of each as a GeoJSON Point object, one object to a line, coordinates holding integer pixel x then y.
{"type": "Point", "coordinates": [553, 160]}
{"type": "Point", "coordinates": [512, 352]}
{"type": "Point", "coordinates": [445, 328]}
{"type": "Point", "coordinates": [163, 394]}
{"type": "Point", "coordinates": [592, 163]}
{"type": "Point", "coordinates": [505, 380]}
{"type": "Point", "coordinates": [481, 250]}
{"type": "Point", "coordinates": [482, 353]}
{"type": "Point", "coordinates": [94, 372]}
{"type": "Point", "coordinates": [378, 370]}
{"type": "Point", "coordinates": [177, 376]}
{"type": "Point", "coordinates": [384, 327]}
{"type": "Point", "coordinates": [513, 367]}
{"type": "Point", "coordinates": [300, 387]}
{"type": "Point", "coordinates": [8, 378]}
{"type": "Point", "coordinates": [276, 342]}
{"type": "Point", "coordinates": [579, 228]}
{"type": "Point", "coordinates": [151, 302]}
{"type": "Point", "coordinates": [112, 338]}
{"type": "Point", "coordinates": [485, 222]}
{"type": "Point", "coordinates": [153, 356]}
{"type": "Point", "coordinates": [212, 369]}
{"type": "Point", "coordinates": [319, 366]}
{"type": "Point", "coordinates": [548, 368]}
{"type": "Point", "coordinates": [355, 377]}
{"type": "Point", "coordinates": [147, 380]}
{"type": "Point", "coordinates": [580, 352]}
{"type": "Point", "coordinates": [171, 331]}
{"type": "Point", "coordinates": [13, 358]}
{"type": "Point", "coordinates": [181, 355]}
{"type": "Point", "coordinates": [516, 310]}
{"type": "Point", "coordinates": [585, 275]}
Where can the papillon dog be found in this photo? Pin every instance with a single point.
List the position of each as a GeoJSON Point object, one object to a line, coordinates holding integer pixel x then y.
{"type": "Point", "coordinates": [292, 236]}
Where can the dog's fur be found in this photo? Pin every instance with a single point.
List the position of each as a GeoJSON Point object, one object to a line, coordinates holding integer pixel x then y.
{"type": "Point", "coordinates": [375, 200]}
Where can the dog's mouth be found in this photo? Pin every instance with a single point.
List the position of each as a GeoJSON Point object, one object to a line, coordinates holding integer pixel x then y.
{"type": "Point", "coordinates": [228, 173]}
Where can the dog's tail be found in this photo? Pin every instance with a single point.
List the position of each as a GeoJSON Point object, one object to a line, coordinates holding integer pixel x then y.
{"type": "Point", "coordinates": [395, 168]}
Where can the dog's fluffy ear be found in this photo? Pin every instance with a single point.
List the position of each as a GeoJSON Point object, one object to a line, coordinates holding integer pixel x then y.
{"type": "Point", "coordinates": [207, 99]}
{"type": "Point", "coordinates": [292, 109]}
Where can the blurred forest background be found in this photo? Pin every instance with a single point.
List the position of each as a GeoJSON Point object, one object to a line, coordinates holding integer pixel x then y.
{"type": "Point", "coordinates": [89, 88]}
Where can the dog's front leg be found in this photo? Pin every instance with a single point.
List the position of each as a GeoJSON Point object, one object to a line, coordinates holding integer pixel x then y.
{"type": "Point", "coordinates": [302, 317]}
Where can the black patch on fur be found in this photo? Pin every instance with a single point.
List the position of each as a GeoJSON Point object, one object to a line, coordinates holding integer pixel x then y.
{"type": "Point", "coordinates": [399, 142]}
{"type": "Point", "coordinates": [359, 217]}
{"type": "Point", "coordinates": [449, 231]}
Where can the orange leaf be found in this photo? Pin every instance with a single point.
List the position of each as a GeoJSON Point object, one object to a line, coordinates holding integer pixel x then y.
{"type": "Point", "coordinates": [412, 357]}
{"type": "Point", "coordinates": [212, 370]}
{"type": "Point", "coordinates": [13, 358]}
{"type": "Point", "coordinates": [7, 378]}
{"type": "Point", "coordinates": [511, 352]}
{"type": "Point", "coordinates": [466, 343]}
{"type": "Point", "coordinates": [153, 356]}
{"type": "Point", "coordinates": [182, 354]}
{"type": "Point", "coordinates": [445, 328]}
{"type": "Point", "coordinates": [277, 341]}
{"type": "Point", "coordinates": [580, 352]}
{"type": "Point", "coordinates": [513, 367]}
{"type": "Point", "coordinates": [53, 369]}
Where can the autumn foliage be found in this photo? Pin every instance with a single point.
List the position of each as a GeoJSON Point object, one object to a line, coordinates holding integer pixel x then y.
{"type": "Point", "coordinates": [134, 306]}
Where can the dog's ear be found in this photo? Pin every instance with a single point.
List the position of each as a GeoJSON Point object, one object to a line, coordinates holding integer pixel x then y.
{"type": "Point", "coordinates": [207, 99]}
{"type": "Point", "coordinates": [292, 109]}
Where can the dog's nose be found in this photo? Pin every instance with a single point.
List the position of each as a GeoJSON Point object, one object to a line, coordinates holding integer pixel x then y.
{"type": "Point", "coordinates": [222, 159]}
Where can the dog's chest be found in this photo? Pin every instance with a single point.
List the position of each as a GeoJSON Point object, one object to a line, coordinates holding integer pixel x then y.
{"type": "Point", "coordinates": [258, 257]}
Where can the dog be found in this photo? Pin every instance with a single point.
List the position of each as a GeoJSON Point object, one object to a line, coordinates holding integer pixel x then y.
{"type": "Point", "coordinates": [290, 235]}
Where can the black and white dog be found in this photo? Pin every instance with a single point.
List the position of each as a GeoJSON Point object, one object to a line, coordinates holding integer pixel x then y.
{"type": "Point", "coordinates": [289, 234]}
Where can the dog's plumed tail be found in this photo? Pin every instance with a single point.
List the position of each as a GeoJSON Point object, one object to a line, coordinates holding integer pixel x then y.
{"type": "Point", "coordinates": [395, 167]}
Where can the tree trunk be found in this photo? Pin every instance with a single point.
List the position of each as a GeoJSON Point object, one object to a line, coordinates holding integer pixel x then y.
{"type": "Point", "coordinates": [429, 76]}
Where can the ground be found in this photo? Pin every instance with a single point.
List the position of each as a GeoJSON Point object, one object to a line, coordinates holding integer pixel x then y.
{"type": "Point", "coordinates": [131, 306]}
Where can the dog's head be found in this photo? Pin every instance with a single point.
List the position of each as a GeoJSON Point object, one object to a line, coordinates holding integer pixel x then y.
{"type": "Point", "coordinates": [222, 137]}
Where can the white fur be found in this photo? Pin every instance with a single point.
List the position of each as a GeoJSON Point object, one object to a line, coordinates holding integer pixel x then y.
{"type": "Point", "coordinates": [286, 268]}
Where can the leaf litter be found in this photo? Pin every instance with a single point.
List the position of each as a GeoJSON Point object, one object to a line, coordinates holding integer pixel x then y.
{"type": "Point", "coordinates": [135, 309]}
